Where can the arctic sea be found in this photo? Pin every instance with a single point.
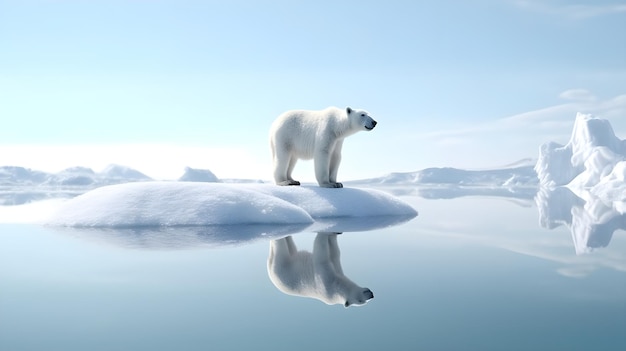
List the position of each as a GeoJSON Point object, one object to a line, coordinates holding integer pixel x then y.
{"type": "Point", "coordinates": [468, 273]}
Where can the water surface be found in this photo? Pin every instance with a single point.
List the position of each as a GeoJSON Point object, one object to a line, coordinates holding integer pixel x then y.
{"type": "Point", "coordinates": [470, 273]}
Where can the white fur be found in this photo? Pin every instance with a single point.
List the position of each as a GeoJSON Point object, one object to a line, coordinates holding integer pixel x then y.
{"type": "Point", "coordinates": [316, 135]}
{"type": "Point", "coordinates": [318, 275]}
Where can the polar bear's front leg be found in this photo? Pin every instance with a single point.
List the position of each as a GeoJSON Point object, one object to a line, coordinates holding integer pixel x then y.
{"type": "Point", "coordinates": [335, 160]}
{"type": "Point", "coordinates": [335, 253]}
{"type": "Point", "coordinates": [322, 171]}
{"type": "Point", "coordinates": [322, 161]}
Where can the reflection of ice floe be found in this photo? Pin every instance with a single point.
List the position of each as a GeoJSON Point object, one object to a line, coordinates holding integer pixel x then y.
{"type": "Point", "coordinates": [357, 224]}
{"type": "Point", "coordinates": [316, 274]}
{"type": "Point", "coordinates": [591, 223]}
{"type": "Point", "coordinates": [192, 237]}
{"type": "Point", "coordinates": [183, 237]}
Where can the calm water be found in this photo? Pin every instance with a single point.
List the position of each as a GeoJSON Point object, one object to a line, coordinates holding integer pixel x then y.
{"type": "Point", "coordinates": [471, 273]}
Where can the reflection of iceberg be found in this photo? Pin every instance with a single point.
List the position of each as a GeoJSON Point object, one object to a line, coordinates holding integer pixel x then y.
{"type": "Point", "coordinates": [593, 166]}
{"type": "Point", "coordinates": [591, 223]}
{"type": "Point", "coordinates": [316, 274]}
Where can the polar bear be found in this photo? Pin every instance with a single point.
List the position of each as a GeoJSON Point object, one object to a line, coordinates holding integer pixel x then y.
{"type": "Point", "coordinates": [317, 275]}
{"type": "Point", "coordinates": [302, 134]}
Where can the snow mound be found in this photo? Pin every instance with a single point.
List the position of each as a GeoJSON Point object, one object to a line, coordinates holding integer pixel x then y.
{"type": "Point", "coordinates": [592, 163]}
{"type": "Point", "coordinates": [198, 175]}
{"type": "Point", "coordinates": [344, 202]}
{"type": "Point", "coordinates": [122, 172]}
{"type": "Point", "coordinates": [146, 204]}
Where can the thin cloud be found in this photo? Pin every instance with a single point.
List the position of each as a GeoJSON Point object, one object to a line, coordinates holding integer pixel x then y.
{"type": "Point", "coordinates": [552, 123]}
{"type": "Point", "coordinates": [577, 95]}
{"type": "Point", "coordinates": [571, 11]}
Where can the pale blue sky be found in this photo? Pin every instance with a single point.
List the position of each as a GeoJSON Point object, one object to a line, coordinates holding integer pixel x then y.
{"type": "Point", "coordinates": [469, 84]}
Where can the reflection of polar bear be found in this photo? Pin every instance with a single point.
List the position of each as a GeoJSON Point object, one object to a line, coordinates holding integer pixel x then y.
{"type": "Point", "coordinates": [314, 134]}
{"type": "Point", "coordinates": [317, 275]}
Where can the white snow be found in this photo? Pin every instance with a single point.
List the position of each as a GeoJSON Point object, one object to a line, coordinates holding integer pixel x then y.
{"type": "Point", "coordinates": [198, 175]}
{"type": "Point", "coordinates": [199, 204]}
{"type": "Point", "coordinates": [592, 164]}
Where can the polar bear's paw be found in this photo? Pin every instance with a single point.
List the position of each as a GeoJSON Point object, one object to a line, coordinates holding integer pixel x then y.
{"type": "Point", "coordinates": [288, 182]}
{"type": "Point", "coordinates": [331, 185]}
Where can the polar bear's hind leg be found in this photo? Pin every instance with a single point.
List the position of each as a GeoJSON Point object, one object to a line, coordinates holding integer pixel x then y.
{"type": "Point", "coordinates": [284, 163]}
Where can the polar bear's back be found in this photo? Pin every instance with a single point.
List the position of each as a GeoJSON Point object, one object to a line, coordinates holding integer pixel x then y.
{"type": "Point", "coordinates": [296, 275]}
{"type": "Point", "coordinates": [299, 130]}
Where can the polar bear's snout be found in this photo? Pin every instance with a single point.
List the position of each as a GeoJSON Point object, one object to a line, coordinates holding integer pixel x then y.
{"type": "Point", "coordinates": [368, 294]}
{"type": "Point", "coordinates": [371, 125]}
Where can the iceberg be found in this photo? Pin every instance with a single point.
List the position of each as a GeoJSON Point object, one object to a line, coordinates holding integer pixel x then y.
{"type": "Point", "coordinates": [169, 204]}
{"type": "Point", "coordinates": [583, 183]}
{"type": "Point", "coordinates": [592, 164]}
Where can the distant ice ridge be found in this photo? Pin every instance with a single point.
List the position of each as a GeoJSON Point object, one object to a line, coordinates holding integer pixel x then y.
{"type": "Point", "coordinates": [20, 185]}
{"type": "Point", "coordinates": [592, 164]}
{"type": "Point", "coordinates": [75, 176]}
{"type": "Point", "coordinates": [157, 204]}
{"type": "Point", "coordinates": [513, 176]}
{"type": "Point", "coordinates": [517, 180]}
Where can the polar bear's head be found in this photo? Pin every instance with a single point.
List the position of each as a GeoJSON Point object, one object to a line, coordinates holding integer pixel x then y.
{"type": "Point", "coordinates": [358, 296]}
{"type": "Point", "coordinates": [360, 119]}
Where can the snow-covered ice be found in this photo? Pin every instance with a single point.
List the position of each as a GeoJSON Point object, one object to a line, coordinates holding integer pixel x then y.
{"type": "Point", "coordinates": [201, 204]}
{"type": "Point", "coordinates": [198, 175]}
{"type": "Point", "coordinates": [592, 164]}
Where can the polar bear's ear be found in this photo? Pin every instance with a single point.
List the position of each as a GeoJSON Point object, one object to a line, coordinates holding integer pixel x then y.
{"type": "Point", "coordinates": [348, 110]}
